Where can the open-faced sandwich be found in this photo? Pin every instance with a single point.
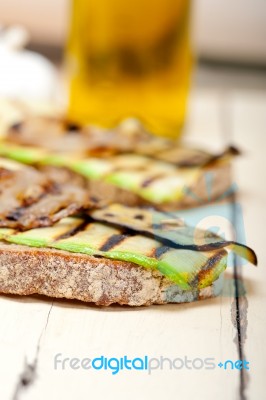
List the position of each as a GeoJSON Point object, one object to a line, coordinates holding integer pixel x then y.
{"type": "Point", "coordinates": [105, 255]}
{"type": "Point", "coordinates": [126, 164]}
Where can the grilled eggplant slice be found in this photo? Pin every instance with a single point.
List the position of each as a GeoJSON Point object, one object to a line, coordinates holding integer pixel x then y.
{"type": "Point", "coordinates": [29, 199]}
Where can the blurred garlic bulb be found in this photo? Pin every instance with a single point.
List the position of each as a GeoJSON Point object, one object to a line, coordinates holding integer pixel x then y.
{"type": "Point", "coordinates": [24, 75]}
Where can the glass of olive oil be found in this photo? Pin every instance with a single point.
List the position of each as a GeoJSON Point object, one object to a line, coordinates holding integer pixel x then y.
{"type": "Point", "coordinates": [130, 59]}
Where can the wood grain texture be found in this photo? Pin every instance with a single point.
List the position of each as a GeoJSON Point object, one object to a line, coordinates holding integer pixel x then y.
{"type": "Point", "coordinates": [249, 126]}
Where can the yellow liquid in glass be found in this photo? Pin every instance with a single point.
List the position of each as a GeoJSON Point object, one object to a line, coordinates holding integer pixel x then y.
{"type": "Point", "coordinates": [130, 58]}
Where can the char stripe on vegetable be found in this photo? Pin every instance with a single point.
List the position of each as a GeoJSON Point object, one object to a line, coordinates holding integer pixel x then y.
{"type": "Point", "coordinates": [161, 250]}
{"type": "Point", "coordinates": [112, 241]}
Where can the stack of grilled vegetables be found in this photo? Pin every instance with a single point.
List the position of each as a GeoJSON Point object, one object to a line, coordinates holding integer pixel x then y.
{"type": "Point", "coordinates": [104, 195]}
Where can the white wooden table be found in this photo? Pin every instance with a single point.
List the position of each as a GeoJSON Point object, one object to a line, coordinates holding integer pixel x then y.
{"type": "Point", "coordinates": [33, 329]}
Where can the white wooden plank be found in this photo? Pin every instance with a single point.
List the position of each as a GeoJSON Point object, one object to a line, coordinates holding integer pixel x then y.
{"type": "Point", "coordinates": [193, 330]}
{"type": "Point", "coordinates": [23, 321]}
{"type": "Point", "coordinates": [249, 130]}
{"type": "Point", "coordinates": [204, 127]}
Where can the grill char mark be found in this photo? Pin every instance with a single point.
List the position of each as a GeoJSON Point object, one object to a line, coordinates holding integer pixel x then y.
{"type": "Point", "coordinates": [16, 127]}
{"type": "Point", "coordinates": [139, 216]}
{"type": "Point", "coordinates": [113, 241]}
{"type": "Point", "coordinates": [161, 251]}
{"type": "Point", "coordinates": [16, 214]}
{"type": "Point", "coordinates": [72, 231]}
{"type": "Point", "coordinates": [72, 127]}
{"type": "Point", "coordinates": [207, 269]}
{"type": "Point", "coordinates": [147, 182]}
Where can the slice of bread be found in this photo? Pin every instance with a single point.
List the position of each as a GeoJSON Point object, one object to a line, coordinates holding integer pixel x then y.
{"type": "Point", "coordinates": [56, 273]}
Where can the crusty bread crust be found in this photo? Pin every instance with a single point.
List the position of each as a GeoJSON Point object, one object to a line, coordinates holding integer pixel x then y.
{"type": "Point", "coordinates": [55, 273]}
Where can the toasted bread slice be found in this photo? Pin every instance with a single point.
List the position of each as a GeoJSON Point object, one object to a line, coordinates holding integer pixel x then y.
{"type": "Point", "coordinates": [57, 273]}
